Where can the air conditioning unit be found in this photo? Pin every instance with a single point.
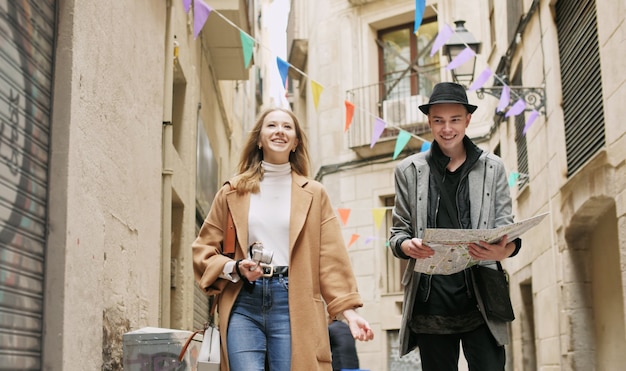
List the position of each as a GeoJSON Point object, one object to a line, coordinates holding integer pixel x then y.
{"type": "Point", "coordinates": [404, 111]}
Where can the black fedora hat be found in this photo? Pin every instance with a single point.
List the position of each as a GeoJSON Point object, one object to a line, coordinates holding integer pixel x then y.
{"type": "Point", "coordinates": [448, 92]}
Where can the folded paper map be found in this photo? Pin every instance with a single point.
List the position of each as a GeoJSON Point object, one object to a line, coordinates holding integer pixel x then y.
{"type": "Point", "coordinates": [451, 245]}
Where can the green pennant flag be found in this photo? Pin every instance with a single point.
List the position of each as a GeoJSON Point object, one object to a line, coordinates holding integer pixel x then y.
{"type": "Point", "coordinates": [247, 43]}
{"type": "Point", "coordinates": [403, 139]}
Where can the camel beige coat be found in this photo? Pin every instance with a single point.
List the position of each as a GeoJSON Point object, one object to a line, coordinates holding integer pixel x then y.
{"type": "Point", "coordinates": [319, 269]}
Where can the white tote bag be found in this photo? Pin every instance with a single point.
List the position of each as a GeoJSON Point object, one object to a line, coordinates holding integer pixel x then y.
{"type": "Point", "coordinates": [209, 356]}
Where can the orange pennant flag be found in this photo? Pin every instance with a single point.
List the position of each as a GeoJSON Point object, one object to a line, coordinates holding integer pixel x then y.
{"type": "Point", "coordinates": [316, 89]}
{"type": "Point", "coordinates": [344, 214]}
{"type": "Point", "coordinates": [352, 240]}
{"type": "Point", "coordinates": [349, 114]}
{"type": "Point", "coordinates": [379, 214]}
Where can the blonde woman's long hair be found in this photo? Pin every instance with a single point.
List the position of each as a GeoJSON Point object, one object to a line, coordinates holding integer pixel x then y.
{"type": "Point", "coordinates": [250, 170]}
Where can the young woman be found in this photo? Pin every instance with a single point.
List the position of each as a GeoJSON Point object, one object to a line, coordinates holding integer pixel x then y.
{"type": "Point", "coordinates": [277, 316]}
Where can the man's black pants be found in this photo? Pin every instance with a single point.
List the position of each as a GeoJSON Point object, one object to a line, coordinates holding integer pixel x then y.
{"type": "Point", "coordinates": [441, 352]}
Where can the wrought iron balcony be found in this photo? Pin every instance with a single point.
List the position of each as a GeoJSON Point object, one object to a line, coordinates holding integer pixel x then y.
{"type": "Point", "coordinates": [399, 109]}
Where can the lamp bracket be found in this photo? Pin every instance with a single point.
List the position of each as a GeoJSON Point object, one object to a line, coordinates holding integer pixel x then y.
{"type": "Point", "coordinates": [533, 96]}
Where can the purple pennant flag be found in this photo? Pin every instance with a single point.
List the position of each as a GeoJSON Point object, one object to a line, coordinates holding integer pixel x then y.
{"type": "Point", "coordinates": [531, 119]}
{"type": "Point", "coordinates": [201, 12]}
{"type": "Point", "coordinates": [481, 80]}
{"type": "Point", "coordinates": [463, 57]}
{"type": "Point", "coordinates": [379, 126]}
{"type": "Point", "coordinates": [517, 108]}
{"type": "Point", "coordinates": [283, 68]}
{"type": "Point", "coordinates": [505, 97]}
{"type": "Point", "coordinates": [187, 5]}
{"type": "Point", "coordinates": [403, 139]}
{"type": "Point", "coordinates": [420, 5]}
{"type": "Point", "coordinates": [441, 39]}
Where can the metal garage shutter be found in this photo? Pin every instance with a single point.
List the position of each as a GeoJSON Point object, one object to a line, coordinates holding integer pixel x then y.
{"type": "Point", "coordinates": [27, 29]}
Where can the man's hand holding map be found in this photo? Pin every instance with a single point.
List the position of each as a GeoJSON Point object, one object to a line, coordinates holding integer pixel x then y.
{"type": "Point", "coordinates": [451, 245]}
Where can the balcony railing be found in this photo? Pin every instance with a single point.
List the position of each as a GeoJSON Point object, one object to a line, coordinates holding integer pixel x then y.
{"type": "Point", "coordinates": [393, 102]}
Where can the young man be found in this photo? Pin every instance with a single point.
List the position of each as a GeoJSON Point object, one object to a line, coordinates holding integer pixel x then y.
{"type": "Point", "coordinates": [443, 311]}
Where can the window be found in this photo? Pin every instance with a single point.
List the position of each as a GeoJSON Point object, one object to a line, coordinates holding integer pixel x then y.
{"type": "Point", "coordinates": [520, 138]}
{"type": "Point", "coordinates": [581, 79]}
{"type": "Point", "coordinates": [406, 67]}
{"type": "Point", "coordinates": [395, 266]}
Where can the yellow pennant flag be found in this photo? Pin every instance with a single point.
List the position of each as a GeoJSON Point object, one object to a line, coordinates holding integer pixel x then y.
{"type": "Point", "coordinates": [379, 214]}
{"type": "Point", "coordinates": [316, 89]}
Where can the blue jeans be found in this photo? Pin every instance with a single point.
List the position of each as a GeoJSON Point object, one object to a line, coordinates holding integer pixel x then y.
{"type": "Point", "coordinates": [259, 327]}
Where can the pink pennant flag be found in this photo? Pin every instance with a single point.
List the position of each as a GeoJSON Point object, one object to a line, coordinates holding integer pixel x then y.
{"type": "Point", "coordinates": [460, 59]}
{"type": "Point", "coordinates": [316, 90]}
{"type": "Point", "coordinates": [201, 12]}
{"type": "Point", "coordinates": [517, 108]}
{"type": "Point", "coordinates": [187, 5]}
{"type": "Point", "coordinates": [344, 214]}
{"type": "Point", "coordinates": [481, 80]}
{"type": "Point", "coordinates": [531, 119]}
{"type": "Point", "coordinates": [349, 114]}
{"type": "Point", "coordinates": [505, 97]}
{"type": "Point", "coordinates": [353, 239]}
{"type": "Point", "coordinates": [403, 139]}
{"type": "Point", "coordinates": [379, 127]}
{"type": "Point", "coordinates": [443, 36]}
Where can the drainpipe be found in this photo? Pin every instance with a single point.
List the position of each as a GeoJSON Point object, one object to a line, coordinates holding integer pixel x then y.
{"type": "Point", "coordinates": [166, 173]}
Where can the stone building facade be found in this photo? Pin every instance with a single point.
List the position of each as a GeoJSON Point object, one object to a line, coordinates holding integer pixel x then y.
{"type": "Point", "coordinates": [118, 125]}
{"type": "Point", "coordinates": [567, 283]}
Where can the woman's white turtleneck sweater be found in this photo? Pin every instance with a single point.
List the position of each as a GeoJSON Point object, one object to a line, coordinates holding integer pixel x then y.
{"type": "Point", "coordinates": [270, 211]}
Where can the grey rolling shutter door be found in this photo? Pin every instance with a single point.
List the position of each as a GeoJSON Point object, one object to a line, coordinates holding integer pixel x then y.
{"type": "Point", "coordinates": [27, 31]}
{"type": "Point", "coordinates": [581, 80]}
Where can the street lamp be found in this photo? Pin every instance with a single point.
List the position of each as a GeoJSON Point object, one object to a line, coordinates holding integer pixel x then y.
{"type": "Point", "coordinates": [461, 39]}
{"type": "Point", "coordinates": [464, 74]}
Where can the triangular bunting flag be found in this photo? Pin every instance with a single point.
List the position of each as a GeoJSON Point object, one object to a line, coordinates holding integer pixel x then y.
{"type": "Point", "coordinates": [517, 108]}
{"type": "Point", "coordinates": [481, 80]}
{"type": "Point", "coordinates": [531, 119]}
{"type": "Point", "coordinates": [379, 127]}
{"type": "Point", "coordinates": [379, 214]}
{"type": "Point", "coordinates": [425, 147]}
{"type": "Point", "coordinates": [420, 5]}
{"type": "Point", "coordinates": [505, 97]}
{"type": "Point", "coordinates": [443, 36]}
{"type": "Point", "coordinates": [513, 176]}
{"type": "Point", "coordinates": [461, 58]}
{"type": "Point", "coordinates": [344, 214]}
{"type": "Point", "coordinates": [247, 42]}
{"type": "Point", "coordinates": [283, 69]}
{"type": "Point", "coordinates": [353, 239]}
{"type": "Point", "coordinates": [349, 114]}
{"type": "Point", "coordinates": [403, 139]}
{"type": "Point", "coordinates": [187, 5]}
{"type": "Point", "coordinates": [201, 12]}
{"type": "Point", "coordinates": [369, 239]}
{"type": "Point", "coordinates": [316, 90]}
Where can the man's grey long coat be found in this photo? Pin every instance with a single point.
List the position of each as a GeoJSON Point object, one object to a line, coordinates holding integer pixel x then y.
{"type": "Point", "coordinates": [486, 179]}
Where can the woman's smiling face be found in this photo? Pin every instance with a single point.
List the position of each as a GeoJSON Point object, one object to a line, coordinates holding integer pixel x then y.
{"type": "Point", "coordinates": [278, 137]}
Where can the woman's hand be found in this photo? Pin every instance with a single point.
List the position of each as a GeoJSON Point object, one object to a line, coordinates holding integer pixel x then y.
{"type": "Point", "coordinates": [486, 251]}
{"type": "Point", "coordinates": [415, 249]}
{"type": "Point", "coordinates": [359, 327]}
{"type": "Point", "coordinates": [249, 269]}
